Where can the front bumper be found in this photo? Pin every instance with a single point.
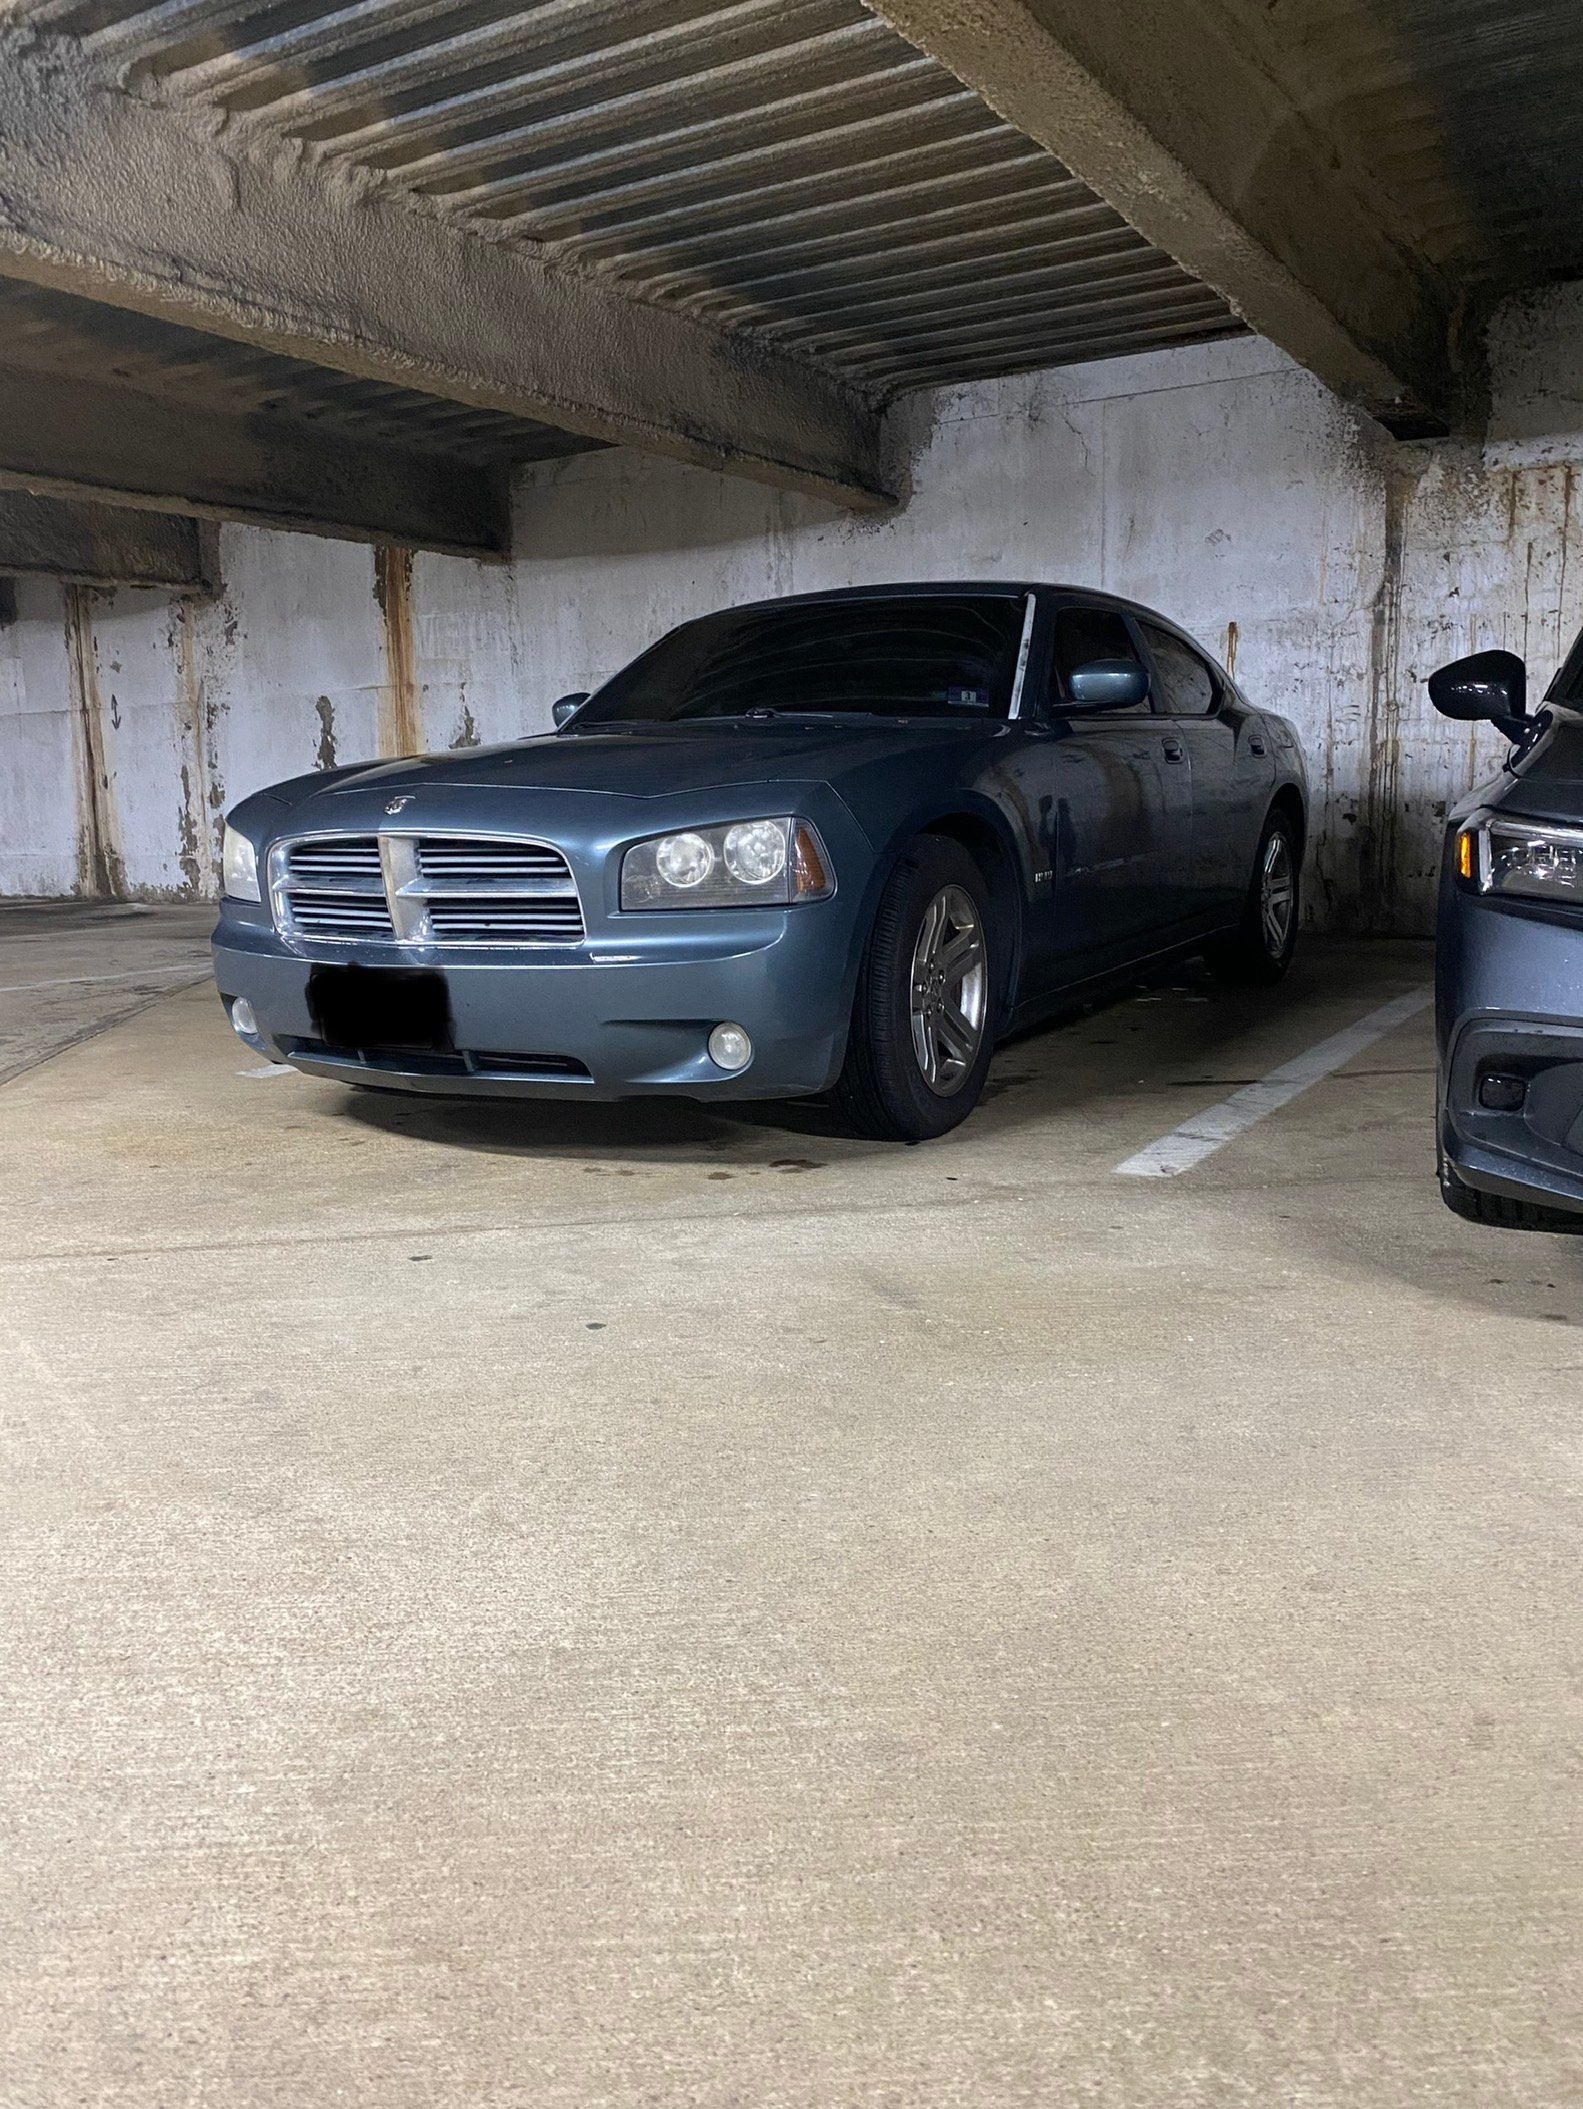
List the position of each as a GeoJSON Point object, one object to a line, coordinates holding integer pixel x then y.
{"type": "Point", "coordinates": [1510, 1005]}
{"type": "Point", "coordinates": [624, 1016]}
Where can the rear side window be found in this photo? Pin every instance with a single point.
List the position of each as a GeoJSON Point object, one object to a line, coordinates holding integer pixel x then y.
{"type": "Point", "coordinates": [1190, 689]}
{"type": "Point", "coordinates": [1083, 634]}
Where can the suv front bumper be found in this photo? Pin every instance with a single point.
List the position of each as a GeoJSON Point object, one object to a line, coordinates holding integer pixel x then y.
{"type": "Point", "coordinates": [1511, 1006]}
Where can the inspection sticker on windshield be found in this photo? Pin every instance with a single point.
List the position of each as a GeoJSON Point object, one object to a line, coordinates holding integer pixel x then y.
{"type": "Point", "coordinates": [968, 698]}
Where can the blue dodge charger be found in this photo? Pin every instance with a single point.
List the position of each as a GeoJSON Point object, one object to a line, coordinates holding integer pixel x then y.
{"type": "Point", "coordinates": [838, 843]}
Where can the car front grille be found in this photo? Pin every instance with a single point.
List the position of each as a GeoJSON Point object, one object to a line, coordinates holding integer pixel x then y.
{"type": "Point", "coordinates": [422, 891]}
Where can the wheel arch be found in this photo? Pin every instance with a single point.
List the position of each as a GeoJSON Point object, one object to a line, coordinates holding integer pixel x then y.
{"type": "Point", "coordinates": [992, 851]}
{"type": "Point", "coordinates": [1289, 800]}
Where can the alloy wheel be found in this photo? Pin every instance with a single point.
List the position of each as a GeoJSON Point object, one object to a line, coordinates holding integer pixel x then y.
{"type": "Point", "coordinates": [950, 990]}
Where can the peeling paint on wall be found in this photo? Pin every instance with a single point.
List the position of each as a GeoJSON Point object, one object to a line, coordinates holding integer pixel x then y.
{"type": "Point", "coordinates": [400, 721]}
{"type": "Point", "coordinates": [100, 873]}
{"type": "Point", "coordinates": [325, 753]}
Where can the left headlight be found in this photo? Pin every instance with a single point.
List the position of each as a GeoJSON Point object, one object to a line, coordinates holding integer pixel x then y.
{"type": "Point", "coordinates": [747, 862]}
{"type": "Point", "coordinates": [239, 866]}
{"type": "Point", "coordinates": [1503, 855]}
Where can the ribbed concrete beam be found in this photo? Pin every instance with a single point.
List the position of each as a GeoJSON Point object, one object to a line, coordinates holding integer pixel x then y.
{"type": "Point", "coordinates": [109, 196]}
{"type": "Point", "coordinates": [103, 545]}
{"type": "Point", "coordinates": [1175, 115]}
{"type": "Point", "coordinates": [70, 438]}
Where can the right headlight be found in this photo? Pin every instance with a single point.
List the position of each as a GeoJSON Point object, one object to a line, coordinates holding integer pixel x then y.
{"type": "Point", "coordinates": [239, 865]}
{"type": "Point", "coordinates": [1500, 854]}
{"type": "Point", "coordinates": [747, 863]}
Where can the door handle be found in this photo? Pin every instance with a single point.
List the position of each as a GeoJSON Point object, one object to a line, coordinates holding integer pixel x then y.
{"type": "Point", "coordinates": [1255, 746]}
{"type": "Point", "coordinates": [1173, 750]}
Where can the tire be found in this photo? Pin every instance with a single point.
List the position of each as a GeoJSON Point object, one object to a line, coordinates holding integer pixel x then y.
{"type": "Point", "coordinates": [1500, 1212]}
{"type": "Point", "coordinates": [923, 1019]}
{"type": "Point", "coordinates": [1259, 951]}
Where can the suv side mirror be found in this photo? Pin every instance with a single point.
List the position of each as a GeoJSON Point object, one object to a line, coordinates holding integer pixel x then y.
{"type": "Point", "coordinates": [1108, 684]}
{"type": "Point", "coordinates": [568, 707]}
{"type": "Point", "coordinates": [1491, 685]}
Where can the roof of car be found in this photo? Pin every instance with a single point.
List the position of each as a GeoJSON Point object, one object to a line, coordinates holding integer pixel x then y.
{"type": "Point", "coordinates": [929, 589]}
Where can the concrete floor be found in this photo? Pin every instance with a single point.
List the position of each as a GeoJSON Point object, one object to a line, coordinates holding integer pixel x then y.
{"type": "Point", "coordinates": [539, 1607]}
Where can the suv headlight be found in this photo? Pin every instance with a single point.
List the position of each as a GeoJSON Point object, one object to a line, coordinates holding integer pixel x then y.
{"type": "Point", "coordinates": [1503, 855]}
{"type": "Point", "coordinates": [239, 866]}
{"type": "Point", "coordinates": [744, 864]}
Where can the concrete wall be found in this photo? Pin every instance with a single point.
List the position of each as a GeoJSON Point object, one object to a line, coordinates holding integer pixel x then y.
{"type": "Point", "coordinates": [1331, 568]}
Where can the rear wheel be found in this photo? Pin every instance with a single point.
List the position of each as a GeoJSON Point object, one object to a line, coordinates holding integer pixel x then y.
{"type": "Point", "coordinates": [922, 1021]}
{"type": "Point", "coordinates": [1500, 1211]}
{"type": "Point", "coordinates": [1260, 949]}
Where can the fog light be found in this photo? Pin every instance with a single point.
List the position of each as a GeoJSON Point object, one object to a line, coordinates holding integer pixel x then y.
{"type": "Point", "coordinates": [730, 1048]}
{"type": "Point", "coordinates": [242, 1019]}
{"type": "Point", "coordinates": [1502, 1094]}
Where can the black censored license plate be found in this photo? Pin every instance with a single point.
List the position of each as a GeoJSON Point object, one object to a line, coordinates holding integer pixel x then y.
{"type": "Point", "coordinates": [360, 1008]}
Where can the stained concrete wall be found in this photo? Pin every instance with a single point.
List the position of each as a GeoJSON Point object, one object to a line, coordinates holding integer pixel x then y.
{"type": "Point", "coordinates": [1329, 567]}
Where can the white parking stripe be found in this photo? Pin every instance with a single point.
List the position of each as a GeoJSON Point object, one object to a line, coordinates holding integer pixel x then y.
{"type": "Point", "coordinates": [1206, 1132]}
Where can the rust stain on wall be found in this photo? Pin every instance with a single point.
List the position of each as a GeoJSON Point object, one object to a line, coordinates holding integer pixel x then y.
{"type": "Point", "coordinates": [1375, 908]}
{"type": "Point", "coordinates": [187, 837]}
{"type": "Point", "coordinates": [400, 715]}
{"type": "Point", "coordinates": [198, 852]}
{"type": "Point", "coordinates": [100, 872]}
{"type": "Point", "coordinates": [1229, 656]}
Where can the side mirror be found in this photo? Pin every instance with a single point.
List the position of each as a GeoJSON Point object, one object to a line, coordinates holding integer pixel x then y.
{"type": "Point", "coordinates": [1491, 685]}
{"type": "Point", "coordinates": [568, 707]}
{"type": "Point", "coordinates": [1109, 684]}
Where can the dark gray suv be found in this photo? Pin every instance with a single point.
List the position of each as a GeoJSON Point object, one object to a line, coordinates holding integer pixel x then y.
{"type": "Point", "coordinates": [1509, 966]}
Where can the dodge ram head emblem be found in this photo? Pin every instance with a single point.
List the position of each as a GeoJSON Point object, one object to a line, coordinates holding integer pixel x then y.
{"type": "Point", "coordinates": [394, 805]}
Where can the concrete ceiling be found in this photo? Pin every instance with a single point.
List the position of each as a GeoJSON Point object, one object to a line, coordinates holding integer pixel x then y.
{"type": "Point", "coordinates": [790, 168]}
{"type": "Point", "coordinates": [431, 238]}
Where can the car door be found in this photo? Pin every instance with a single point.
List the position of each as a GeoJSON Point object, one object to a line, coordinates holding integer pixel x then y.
{"type": "Point", "coordinates": [1119, 799]}
{"type": "Point", "coordinates": [1205, 718]}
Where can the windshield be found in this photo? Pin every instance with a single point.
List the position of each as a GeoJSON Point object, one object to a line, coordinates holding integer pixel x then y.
{"type": "Point", "coordinates": [945, 656]}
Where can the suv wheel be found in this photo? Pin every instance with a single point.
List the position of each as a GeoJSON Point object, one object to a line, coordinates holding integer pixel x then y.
{"type": "Point", "coordinates": [923, 1024]}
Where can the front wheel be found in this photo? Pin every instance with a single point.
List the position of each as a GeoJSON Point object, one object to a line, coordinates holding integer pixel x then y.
{"type": "Point", "coordinates": [923, 1019]}
{"type": "Point", "coordinates": [1260, 949]}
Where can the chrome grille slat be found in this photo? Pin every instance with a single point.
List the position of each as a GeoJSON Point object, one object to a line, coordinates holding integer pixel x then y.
{"type": "Point", "coordinates": [558, 922]}
{"type": "Point", "coordinates": [442, 857]}
{"type": "Point", "coordinates": [421, 891]}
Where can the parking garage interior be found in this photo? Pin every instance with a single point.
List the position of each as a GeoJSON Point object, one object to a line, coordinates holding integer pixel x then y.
{"type": "Point", "coordinates": [542, 1603]}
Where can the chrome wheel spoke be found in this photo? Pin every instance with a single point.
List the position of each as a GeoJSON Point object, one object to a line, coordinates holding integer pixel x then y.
{"type": "Point", "coordinates": [1277, 894]}
{"type": "Point", "coordinates": [955, 1034]}
{"type": "Point", "coordinates": [961, 953]}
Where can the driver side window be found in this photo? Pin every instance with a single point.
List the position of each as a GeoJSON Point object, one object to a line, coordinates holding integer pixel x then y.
{"type": "Point", "coordinates": [1086, 634]}
{"type": "Point", "coordinates": [1191, 690]}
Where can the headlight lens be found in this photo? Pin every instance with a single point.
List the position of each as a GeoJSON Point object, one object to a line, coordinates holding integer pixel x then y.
{"type": "Point", "coordinates": [239, 864]}
{"type": "Point", "coordinates": [684, 861]}
{"type": "Point", "coordinates": [1521, 858]}
{"type": "Point", "coordinates": [745, 864]}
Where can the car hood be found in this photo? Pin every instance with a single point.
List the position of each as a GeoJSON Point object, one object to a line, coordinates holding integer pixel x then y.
{"type": "Point", "coordinates": [651, 762]}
